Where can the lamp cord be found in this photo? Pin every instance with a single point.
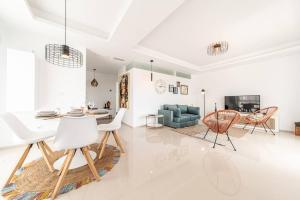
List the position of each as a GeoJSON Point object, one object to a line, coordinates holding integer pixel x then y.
{"type": "Point", "coordinates": [65, 22]}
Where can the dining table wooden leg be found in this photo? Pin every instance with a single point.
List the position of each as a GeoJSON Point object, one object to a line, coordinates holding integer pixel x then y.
{"type": "Point", "coordinates": [90, 162]}
{"type": "Point", "coordinates": [118, 141]}
{"type": "Point", "coordinates": [103, 146]}
{"type": "Point", "coordinates": [64, 172]}
{"type": "Point", "coordinates": [20, 163]}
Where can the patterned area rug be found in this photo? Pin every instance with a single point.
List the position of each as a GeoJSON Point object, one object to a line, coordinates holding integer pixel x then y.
{"type": "Point", "coordinates": [201, 130]}
{"type": "Point", "coordinates": [35, 181]}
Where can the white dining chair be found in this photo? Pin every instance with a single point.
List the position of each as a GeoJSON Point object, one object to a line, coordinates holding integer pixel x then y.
{"type": "Point", "coordinates": [29, 138]}
{"type": "Point", "coordinates": [113, 128]}
{"type": "Point", "coordinates": [75, 133]}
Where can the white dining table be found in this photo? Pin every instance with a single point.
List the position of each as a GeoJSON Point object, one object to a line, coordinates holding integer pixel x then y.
{"type": "Point", "coordinates": [38, 125]}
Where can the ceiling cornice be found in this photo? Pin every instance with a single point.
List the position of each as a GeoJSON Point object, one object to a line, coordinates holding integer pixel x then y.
{"type": "Point", "coordinates": [247, 58]}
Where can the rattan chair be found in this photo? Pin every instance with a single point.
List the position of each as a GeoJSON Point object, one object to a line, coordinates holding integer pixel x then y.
{"type": "Point", "coordinates": [261, 117]}
{"type": "Point", "coordinates": [219, 122]}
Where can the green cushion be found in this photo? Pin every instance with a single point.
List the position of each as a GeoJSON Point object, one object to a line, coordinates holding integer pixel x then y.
{"type": "Point", "coordinates": [176, 112]}
{"type": "Point", "coordinates": [183, 108]}
{"type": "Point", "coordinates": [193, 110]}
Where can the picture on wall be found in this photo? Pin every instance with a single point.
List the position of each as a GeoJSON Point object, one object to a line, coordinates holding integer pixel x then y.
{"type": "Point", "coordinates": [171, 87]}
{"type": "Point", "coordinates": [184, 90]}
{"type": "Point", "coordinates": [124, 103]}
{"type": "Point", "coordinates": [175, 90]}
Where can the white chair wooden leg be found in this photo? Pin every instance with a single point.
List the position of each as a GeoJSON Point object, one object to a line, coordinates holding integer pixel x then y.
{"type": "Point", "coordinates": [102, 140]}
{"type": "Point", "coordinates": [118, 141]}
{"type": "Point", "coordinates": [19, 164]}
{"type": "Point", "coordinates": [65, 161]}
{"type": "Point", "coordinates": [64, 172]}
{"type": "Point", "coordinates": [45, 156]}
{"type": "Point", "coordinates": [49, 150]}
{"type": "Point", "coordinates": [90, 162]}
{"type": "Point", "coordinates": [103, 146]}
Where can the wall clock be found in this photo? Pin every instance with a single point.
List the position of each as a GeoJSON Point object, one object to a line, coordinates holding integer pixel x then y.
{"type": "Point", "coordinates": [160, 86]}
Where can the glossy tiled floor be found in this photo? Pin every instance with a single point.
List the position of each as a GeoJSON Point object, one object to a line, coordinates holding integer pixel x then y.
{"type": "Point", "coordinates": [163, 165]}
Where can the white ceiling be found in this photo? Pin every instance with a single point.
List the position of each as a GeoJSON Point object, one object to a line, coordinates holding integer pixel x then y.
{"type": "Point", "coordinates": [103, 64]}
{"type": "Point", "coordinates": [248, 25]}
{"type": "Point", "coordinates": [175, 33]}
{"type": "Point", "coordinates": [98, 17]}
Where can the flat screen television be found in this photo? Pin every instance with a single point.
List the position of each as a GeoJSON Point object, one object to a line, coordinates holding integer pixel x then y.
{"type": "Point", "coordinates": [243, 103]}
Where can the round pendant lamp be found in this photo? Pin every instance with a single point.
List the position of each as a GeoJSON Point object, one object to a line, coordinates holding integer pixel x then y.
{"type": "Point", "coordinates": [217, 48]}
{"type": "Point", "coordinates": [63, 55]}
{"type": "Point", "coordinates": [94, 82]}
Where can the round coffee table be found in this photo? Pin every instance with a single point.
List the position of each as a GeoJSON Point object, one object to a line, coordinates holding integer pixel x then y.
{"type": "Point", "coordinates": [154, 123]}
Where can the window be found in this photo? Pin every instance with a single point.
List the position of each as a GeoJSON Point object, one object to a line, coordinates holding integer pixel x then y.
{"type": "Point", "coordinates": [20, 77]}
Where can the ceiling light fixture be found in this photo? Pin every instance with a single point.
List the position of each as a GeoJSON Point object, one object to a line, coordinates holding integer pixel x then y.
{"type": "Point", "coordinates": [94, 82]}
{"type": "Point", "coordinates": [217, 48]}
{"type": "Point", "coordinates": [63, 55]}
{"type": "Point", "coordinates": [151, 61]}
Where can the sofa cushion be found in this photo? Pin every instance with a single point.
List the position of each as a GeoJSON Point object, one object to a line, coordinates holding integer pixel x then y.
{"type": "Point", "coordinates": [194, 117]}
{"type": "Point", "coordinates": [193, 110]}
{"type": "Point", "coordinates": [183, 118]}
{"type": "Point", "coordinates": [183, 108]}
{"type": "Point", "coordinates": [169, 107]}
{"type": "Point", "coordinates": [176, 111]}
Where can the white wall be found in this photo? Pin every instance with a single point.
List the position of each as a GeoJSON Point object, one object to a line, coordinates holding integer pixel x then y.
{"type": "Point", "coordinates": [55, 86]}
{"type": "Point", "coordinates": [2, 73]}
{"type": "Point", "coordinates": [144, 100]}
{"type": "Point", "coordinates": [275, 79]}
{"type": "Point", "coordinates": [101, 94]}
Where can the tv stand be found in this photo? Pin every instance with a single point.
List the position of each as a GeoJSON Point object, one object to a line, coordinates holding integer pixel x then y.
{"type": "Point", "coordinates": [273, 123]}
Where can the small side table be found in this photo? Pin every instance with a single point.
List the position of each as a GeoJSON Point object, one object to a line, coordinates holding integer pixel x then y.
{"type": "Point", "coordinates": [297, 128]}
{"type": "Point", "coordinates": [154, 120]}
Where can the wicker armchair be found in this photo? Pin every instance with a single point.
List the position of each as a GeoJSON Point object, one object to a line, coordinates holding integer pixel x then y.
{"type": "Point", "coordinates": [261, 117]}
{"type": "Point", "coordinates": [219, 122]}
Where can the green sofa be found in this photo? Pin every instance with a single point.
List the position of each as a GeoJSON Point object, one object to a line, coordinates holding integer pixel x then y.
{"type": "Point", "coordinates": [179, 116]}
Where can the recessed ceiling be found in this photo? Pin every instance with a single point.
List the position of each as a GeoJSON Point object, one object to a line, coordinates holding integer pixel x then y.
{"type": "Point", "coordinates": [97, 17]}
{"type": "Point", "coordinates": [249, 26]}
{"type": "Point", "coordinates": [103, 64]}
{"type": "Point", "coordinates": [175, 33]}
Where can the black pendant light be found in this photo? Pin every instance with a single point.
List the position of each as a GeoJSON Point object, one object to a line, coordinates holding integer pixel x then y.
{"type": "Point", "coordinates": [63, 55]}
{"type": "Point", "coordinates": [151, 61]}
{"type": "Point", "coordinates": [94, 82]}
